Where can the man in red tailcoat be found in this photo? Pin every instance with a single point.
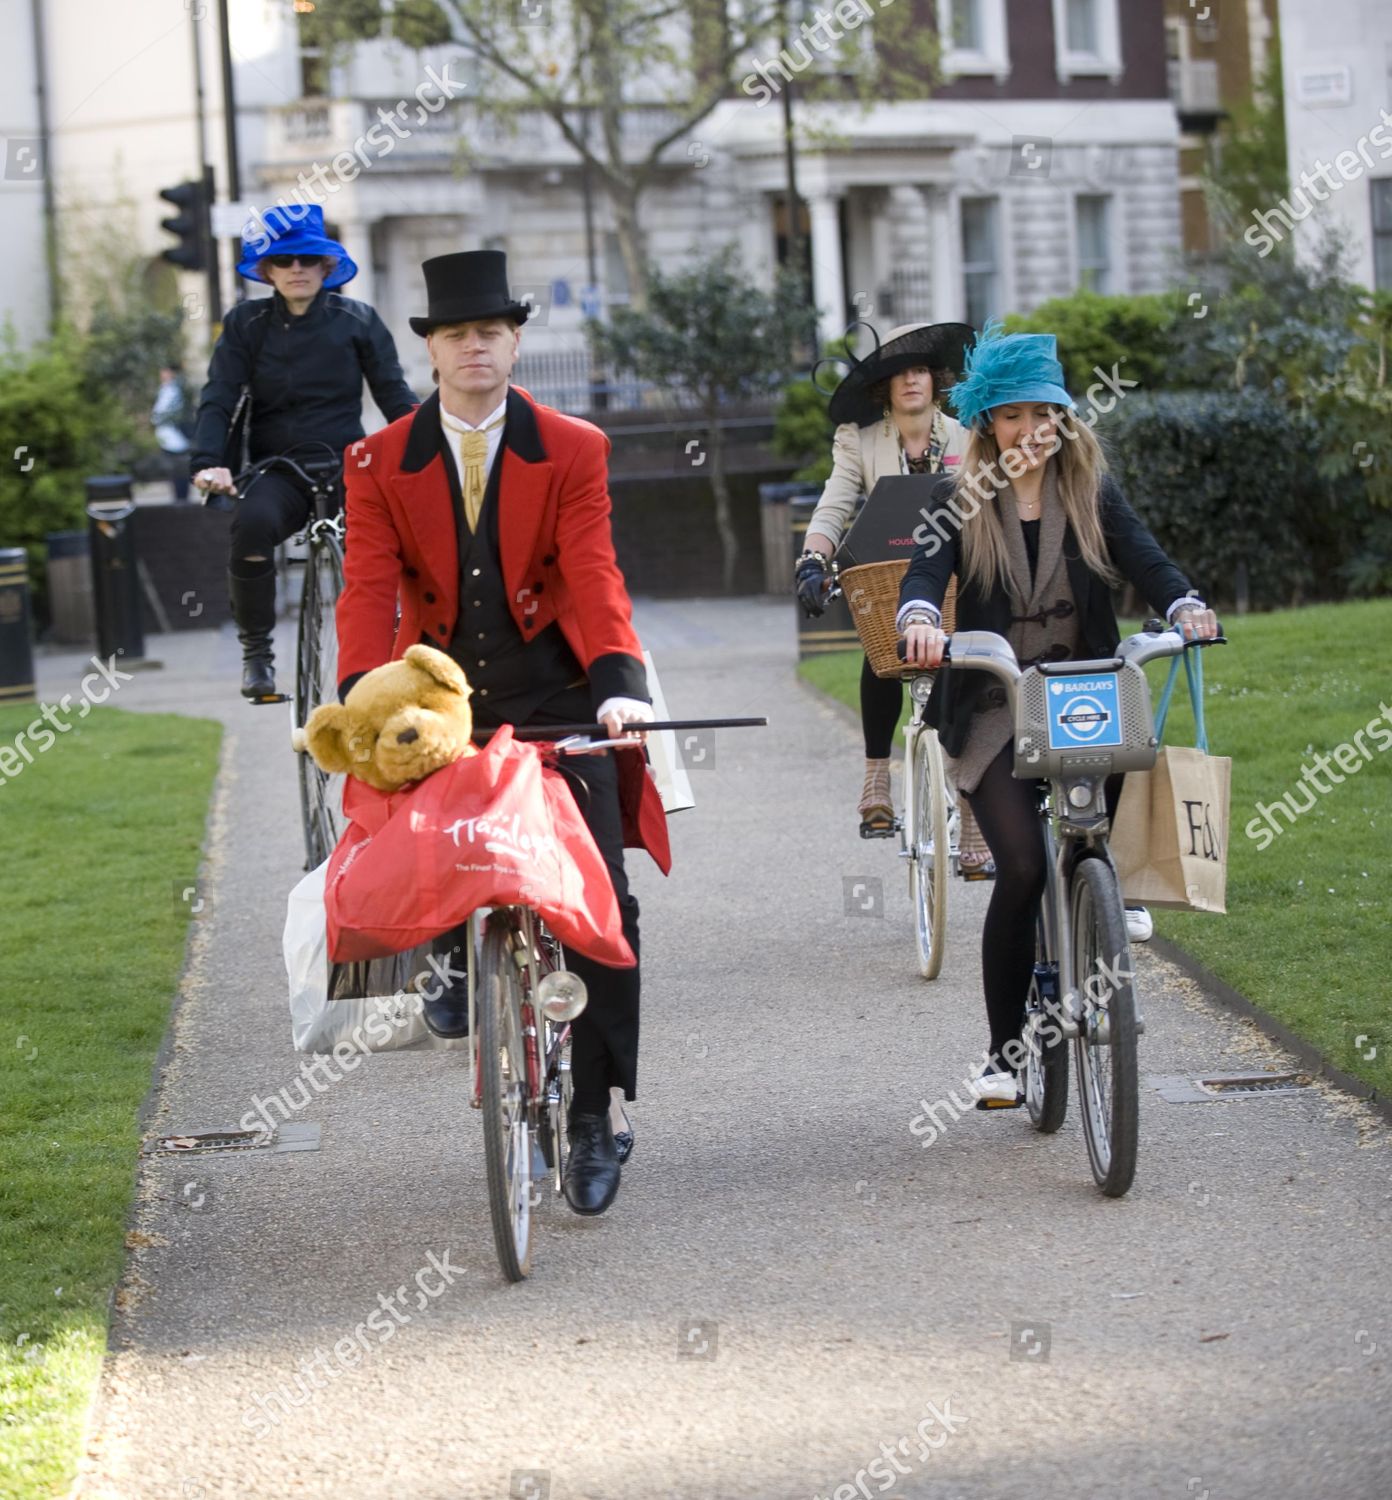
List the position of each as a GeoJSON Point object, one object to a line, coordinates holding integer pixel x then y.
{"type": "Point", "coordinates": [486, 516]}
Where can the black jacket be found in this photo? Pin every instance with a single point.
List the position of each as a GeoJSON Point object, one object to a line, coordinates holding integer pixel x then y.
{"type": "Point", "coordinates": [1135, 554]}
{"type": "Point", "coordinates": [306, 376]}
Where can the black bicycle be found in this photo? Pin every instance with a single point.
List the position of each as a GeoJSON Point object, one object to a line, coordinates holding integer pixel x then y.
{"type": "Point", "coordinates": [316, 649]}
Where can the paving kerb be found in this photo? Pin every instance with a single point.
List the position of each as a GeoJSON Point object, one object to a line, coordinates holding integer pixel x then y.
{"type": "Point", "coordinates": [1223, 1328]}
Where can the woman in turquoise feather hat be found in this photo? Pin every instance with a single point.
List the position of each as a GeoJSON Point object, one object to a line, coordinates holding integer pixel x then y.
{"type": "Point", "coordinates": [1038, 537]}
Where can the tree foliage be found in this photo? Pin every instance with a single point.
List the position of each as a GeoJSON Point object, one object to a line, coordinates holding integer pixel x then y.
{"type": "Point", "coordinates": [61, 427]}
{"type": "Point", "coordinates": [588, 65]}
{"type": "Point", "coordinates": [1248, 169]}
{"type": "Point", "coordinates": [709, 335]}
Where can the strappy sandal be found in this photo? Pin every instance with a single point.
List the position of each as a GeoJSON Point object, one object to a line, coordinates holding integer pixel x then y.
{"type": "Point", "coordinates": [876, 805]}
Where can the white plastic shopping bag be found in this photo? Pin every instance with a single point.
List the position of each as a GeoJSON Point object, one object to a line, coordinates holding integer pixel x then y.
{"type": "Point", "coordinates": [373, 1023]}
{"type": "Point", "coordinates": [673, 785]}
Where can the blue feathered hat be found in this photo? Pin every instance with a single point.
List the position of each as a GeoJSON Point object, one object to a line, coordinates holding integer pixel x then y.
{"type": "Point", "coordinates": [296, 229]}
{"type": "Point", "coordinates": [1006, 367]}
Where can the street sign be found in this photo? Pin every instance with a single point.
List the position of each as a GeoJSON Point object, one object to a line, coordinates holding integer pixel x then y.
{"type": "Point", "coordinates": [229, 219]}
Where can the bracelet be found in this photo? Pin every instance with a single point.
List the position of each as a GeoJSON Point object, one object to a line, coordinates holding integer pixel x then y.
{"type": "Point", "coordinates": [807, 555]}
{"type": "Point", "coordinates": [917, 619]}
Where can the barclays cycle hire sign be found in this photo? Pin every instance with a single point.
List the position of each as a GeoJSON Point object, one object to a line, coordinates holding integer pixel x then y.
{"type": "Point", "coordinates": [1084, 712]}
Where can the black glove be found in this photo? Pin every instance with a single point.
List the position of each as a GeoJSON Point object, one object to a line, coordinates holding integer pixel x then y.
{"type": "Point", "coordinates": [811, 586]}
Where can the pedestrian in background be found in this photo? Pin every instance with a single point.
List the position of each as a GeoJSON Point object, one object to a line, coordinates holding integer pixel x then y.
{"type": "Point", "coordinates": [173, 423]}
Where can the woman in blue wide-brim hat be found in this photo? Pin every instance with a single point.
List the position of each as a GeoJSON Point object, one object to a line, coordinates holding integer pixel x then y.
{"type": "Point", "coordinates": [1038, 536]}
{"type": "Point", "coordinates": [300, 357]}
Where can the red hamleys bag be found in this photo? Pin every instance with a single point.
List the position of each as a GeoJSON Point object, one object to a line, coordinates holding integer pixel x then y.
{"type": "Point", "coordinates": [493, 829]}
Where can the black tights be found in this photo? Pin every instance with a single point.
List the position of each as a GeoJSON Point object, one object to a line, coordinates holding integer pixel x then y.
{"type": "Point", "coordinates": [1008, 812]}
{"type": "Point", "coordinates": [881, 699]}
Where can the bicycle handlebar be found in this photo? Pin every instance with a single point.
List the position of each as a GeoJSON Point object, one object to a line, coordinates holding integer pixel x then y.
{"type": "Point", "coordinates": [326, 473]}
{"type": "Point", "coordinates": [559, 732]}
{"type": "Point", "coordinates": [985, 651]}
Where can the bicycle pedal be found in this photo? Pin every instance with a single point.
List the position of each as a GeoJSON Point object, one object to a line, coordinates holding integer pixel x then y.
{"type": "Point", "coordinates": [269, 698]}
{"type": "Point", "coordinates": [866, 832]}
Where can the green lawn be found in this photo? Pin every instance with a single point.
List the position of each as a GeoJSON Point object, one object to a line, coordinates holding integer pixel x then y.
{"type": "Point", "coordinates": [100, 833]}
{"type": "Point", "coordinates": [1306, 936]}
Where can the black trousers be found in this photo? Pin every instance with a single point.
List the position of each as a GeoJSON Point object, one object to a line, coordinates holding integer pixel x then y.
{"type": "Point", "coordinates": [881, 698]}
{"type": "Point", "coordinates": [274, 507]}
{"type": "Point", "coordinates": [604, 1037]}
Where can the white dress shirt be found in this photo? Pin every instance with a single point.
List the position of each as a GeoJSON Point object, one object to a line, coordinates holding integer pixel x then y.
{"type": "Point", "coordinates": [455, 425]}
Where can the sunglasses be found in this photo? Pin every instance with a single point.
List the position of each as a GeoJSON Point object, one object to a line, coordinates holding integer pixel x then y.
{"type": "Point", "coordinates": [284, 262]}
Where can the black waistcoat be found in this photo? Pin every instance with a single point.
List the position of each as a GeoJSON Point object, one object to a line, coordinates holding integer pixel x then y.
{"type": "Point", "coordinates": [511, 675]}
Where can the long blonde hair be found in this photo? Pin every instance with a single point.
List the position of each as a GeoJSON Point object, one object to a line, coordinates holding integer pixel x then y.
{"type": "Point", "coordinates": [1079, 466]}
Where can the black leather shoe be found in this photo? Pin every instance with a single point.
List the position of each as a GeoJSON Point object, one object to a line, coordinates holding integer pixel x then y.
{"type": "Point", "coordinates": [447, 1013]}
{"type": "Point", "coordinates": [592, 1169]}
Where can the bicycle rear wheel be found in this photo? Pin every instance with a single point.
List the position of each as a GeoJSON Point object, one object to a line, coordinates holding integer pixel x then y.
{"type": "Point", "coordinates": [507, 1137]}
{"type": "Point", "coordinates": [1046, 1051]}
{"type": "Point", "coordinates": [316, 682]}
{"type": "Point", "coordinates": [1105, 1048]}
{"type": "Point", "coordinates": [930, 861]}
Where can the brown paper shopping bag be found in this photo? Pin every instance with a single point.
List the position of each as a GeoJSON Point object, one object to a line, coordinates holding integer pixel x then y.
{"type": "Point", "coordinates": [1170, 835]}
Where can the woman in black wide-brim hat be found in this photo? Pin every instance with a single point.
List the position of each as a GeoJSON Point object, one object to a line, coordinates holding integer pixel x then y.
{"type": "Point", "coordinates": [889, 419]}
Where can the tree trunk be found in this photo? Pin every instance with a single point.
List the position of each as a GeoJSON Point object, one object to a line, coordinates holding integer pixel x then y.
{"type": "Point", "coordinates": [630, 236]}
{"type": "Point", "coordinates": [724, 518]}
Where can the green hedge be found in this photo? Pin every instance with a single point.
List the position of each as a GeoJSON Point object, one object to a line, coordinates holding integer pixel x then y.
{"type": "Point", "coordinates": [1229, 483]}
{"type": "Point", "coordinates": [1095, 332]}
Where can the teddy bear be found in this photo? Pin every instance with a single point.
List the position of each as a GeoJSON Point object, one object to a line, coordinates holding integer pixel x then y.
{"type": "Point", "coordinates": [398, 723]}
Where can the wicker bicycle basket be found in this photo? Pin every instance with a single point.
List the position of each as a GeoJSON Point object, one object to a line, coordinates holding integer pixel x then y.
{"type": "Point", "coordinates": [872, 595]}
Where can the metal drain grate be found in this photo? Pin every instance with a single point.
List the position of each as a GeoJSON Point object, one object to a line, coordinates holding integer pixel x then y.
{"type": "Point", "coordinates": [1181, 1090]}
{"type": "Point", "coordinates": [1241, 1085]}
{"type": "Point", "coordinates": [294, 1136]}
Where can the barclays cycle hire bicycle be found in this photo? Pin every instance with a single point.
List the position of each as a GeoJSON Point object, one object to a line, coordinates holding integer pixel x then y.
{"type": "Point", "coordinates": [1076, 723]}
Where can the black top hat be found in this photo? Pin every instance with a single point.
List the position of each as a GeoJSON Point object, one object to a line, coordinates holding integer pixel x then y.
{"type": "Point", "coordinates": [938, 346]}
{"type": "Point", "coordinates": [466, 287]}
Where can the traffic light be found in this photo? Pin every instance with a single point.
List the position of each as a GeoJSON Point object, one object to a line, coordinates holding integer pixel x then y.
{"type": "Point", "coordinates": [189, 225]}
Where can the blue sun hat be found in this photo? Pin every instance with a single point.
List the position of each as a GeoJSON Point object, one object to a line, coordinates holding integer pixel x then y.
{"type": "Point", "coordinates": [1007, 367]}
{"type": "Point", "coordinates": [292, 229]}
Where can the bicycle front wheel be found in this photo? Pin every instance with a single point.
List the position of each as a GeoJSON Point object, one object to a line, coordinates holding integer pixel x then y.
{"type": "Point", "coordinates": [1105, 1048]}
{"type": "Point", "coordinates": [316, 682]}
{"type": "Point", "coordinates": [930, 861]}
{"type": "Point", "coordinates": [507, 1138]}
{"type": "Point", "coordinates": [1046, 1052]}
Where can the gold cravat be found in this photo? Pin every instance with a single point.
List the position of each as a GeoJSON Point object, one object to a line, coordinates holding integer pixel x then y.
{"type": "Point", "coordinates": [473, 478]}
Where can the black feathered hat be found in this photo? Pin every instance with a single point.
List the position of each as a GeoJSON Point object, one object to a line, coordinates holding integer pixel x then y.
{"type": "Point", "coordinates": [935, 346]}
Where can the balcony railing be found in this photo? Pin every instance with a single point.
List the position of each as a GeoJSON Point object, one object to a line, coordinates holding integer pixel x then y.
{"type": "Point", "coordinates": [318, 129]}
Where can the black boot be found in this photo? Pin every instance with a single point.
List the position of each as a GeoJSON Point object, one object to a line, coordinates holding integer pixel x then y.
{"type": "Point", "coordinates": [445, 995]}
{"type": "Point", "coordinates": [592, 1169]}
{"type": "Point", "coordinates": [253, 608]}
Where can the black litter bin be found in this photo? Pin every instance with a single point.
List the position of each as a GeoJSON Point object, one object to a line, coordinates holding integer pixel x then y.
{"type": "Point", "coordinates": [72, 618]}
{"type": "Point", "coordinates": [115, 574]}
{"type": "Point", "coordinates": [833, 629]}
{"type": "Point", "coordinates": [16, 630]}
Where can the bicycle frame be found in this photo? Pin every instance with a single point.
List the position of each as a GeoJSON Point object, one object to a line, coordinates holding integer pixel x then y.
{"type": "Point", "coordinates": [1070, 832]}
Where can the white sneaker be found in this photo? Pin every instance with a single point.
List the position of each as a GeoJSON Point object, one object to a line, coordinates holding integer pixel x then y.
{"type": "Point", "coordinates": [997, 1091]}
{"type": "Point", "coordinates": [1139, 927]}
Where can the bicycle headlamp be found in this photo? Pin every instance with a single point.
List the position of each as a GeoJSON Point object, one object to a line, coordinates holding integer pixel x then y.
{"type": "Point", "coordinates": [1080, 793]}
{"type": "Point", "coordinates": [562, 994]}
